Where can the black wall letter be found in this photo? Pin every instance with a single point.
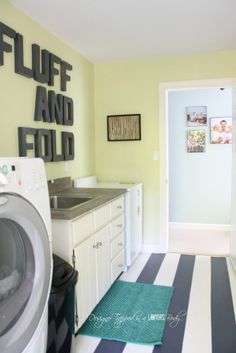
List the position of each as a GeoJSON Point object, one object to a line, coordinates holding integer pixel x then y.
{"type": "Point", "coordinates": [68, 148]}
{"type": "Point", "coordinates": [23, 145]}
{"type": "Point", "coordinates": [3, 45]}
{"type": "Point", "coordinates": [64, 77]}
{"type": "Point", "coordinates": [53, 71]}
{"type": "Point", "coordinates": [55, 103]}
{"type": "Point", "coordinates": [55, 157]}
{"type": "Point", "coordinates": [40, 72]}
{"type": "Point", "coordinates": [19, 58]}
{"type": "Point", "coordinates": [41, 105]}
{"type": "Point", "coordinates": [68, 116]}
{"type": "Point", "coordinates": [46, 135]}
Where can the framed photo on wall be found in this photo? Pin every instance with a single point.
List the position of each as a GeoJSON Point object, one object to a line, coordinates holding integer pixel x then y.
{"type": "Point", "coordinates": [221, 130]}
{"type": "Point", "coordinates": [196, 141]}
{"type": "Point", "coordinates": [196, 116]}
{"type": "Point", "coordinates": [124, 127]}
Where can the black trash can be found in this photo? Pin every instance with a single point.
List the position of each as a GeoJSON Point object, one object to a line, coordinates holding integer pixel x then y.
{"type": "Point", "coordinates": [61, 307]}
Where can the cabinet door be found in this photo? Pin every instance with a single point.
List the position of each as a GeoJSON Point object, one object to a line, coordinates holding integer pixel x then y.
{"type": "Point", "coordinates": [117, 244]}
{"type": "Point", "coordinates": [85, 264]}
{"type": "Point", "coordinates": [117, 207]}
{"type": "Point", "coordinates": [82, 228]}
{"type": "Point", "coordinates": [117, 265]}
{"type": "Point", "coordinates": [117, 226]}
{"type": "Point", "coordinates": [103, 261]}
{"type": "Point", "coordinates": [101, 217]}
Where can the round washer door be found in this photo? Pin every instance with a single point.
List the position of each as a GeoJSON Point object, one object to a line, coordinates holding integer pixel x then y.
{"type": "Point", "coordinates": [25, 272]}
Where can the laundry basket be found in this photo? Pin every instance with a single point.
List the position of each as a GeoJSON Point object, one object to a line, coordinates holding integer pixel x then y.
{"type": "Point", "coordinates": [61, 307]}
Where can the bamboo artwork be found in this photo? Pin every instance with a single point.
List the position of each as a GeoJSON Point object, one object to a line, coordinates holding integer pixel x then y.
{"type": "Point", "coordinates": [124, 127]}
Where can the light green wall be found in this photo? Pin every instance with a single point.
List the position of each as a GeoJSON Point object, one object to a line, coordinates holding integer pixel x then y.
{"type": "Point", "coordinates": [122, 87]}
{"type": "Point", "coordinates": [132, 87]}
{"type": "Point", "coordinates": [17, 96]}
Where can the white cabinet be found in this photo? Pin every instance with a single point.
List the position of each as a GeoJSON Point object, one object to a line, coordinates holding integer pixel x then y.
{"type": "Point", "coordinates": [85, 263]}
{"type": "Point", "coordinates": [81, 229]}
{"type": "Point", "coordinates": [92, 260]}
{"type": "Point", "coordinates": [103, 279]}
{"type": "Point", "coordinates": [94, 245]}
{"type": "Point", "coordinates": [133, 212]}
{"type": "Point", "coordinates": [117, 265]}
{"type": "Point", "coordinates": [117, 238]}
{"type": "Point", "coordinates": [117, 244]}
{"type": "Point", "coordinates": [116, 207]}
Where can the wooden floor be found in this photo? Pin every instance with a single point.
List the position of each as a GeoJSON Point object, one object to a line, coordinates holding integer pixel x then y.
{"type": "Point", "coordinates": [202, 310]}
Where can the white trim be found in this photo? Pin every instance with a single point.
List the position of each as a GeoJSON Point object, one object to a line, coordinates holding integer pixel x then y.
{"type": "Point", "coordinates": [232, 262]}
{"type": "Point", "coordinates": [164, 89]}
{"type": "Point", "coordinates": [153, 249]}
{"type": "Point", "coordinates": [200, 226]}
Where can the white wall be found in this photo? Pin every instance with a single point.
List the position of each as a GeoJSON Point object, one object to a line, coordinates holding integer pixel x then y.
{"type": "Point", "coordinates": [200, 183]}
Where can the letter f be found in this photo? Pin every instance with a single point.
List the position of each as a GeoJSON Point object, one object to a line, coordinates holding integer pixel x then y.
{"type": "Point", "coordinates": [3, 45]}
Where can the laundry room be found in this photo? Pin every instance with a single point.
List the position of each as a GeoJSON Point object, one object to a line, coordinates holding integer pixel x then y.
{"type": "Point", "coordinates": [92, 117]}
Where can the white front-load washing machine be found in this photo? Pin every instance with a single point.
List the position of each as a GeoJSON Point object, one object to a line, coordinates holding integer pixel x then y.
{"type": "Point", "coordinates": [25, 255]}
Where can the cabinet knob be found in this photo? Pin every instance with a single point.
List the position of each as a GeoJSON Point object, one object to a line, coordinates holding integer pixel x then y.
{"type": "Point", "coordinates": [95, 246]}
{"type": "Point", "coordinates": [120, 265]}
{"type": "Point", "coordinates": [120, 244]}
{"type": "Point", "coordinates": [119, 207]}
{"type": "Point", "coordinates": [99, 243]}
{"type": "Point", "coordinates": [119, 225]}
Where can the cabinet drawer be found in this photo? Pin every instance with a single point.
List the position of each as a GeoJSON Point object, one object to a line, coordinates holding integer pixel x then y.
{"type": "Point", "coordinates": [117, 265]}
{"type": "Point", "coordinates": [117, 225]}
{"type": "Point", "coordinates": [116, 207]}
{"type": "Point", "coordinates": [82, 228]}
{"type": "Point", "coordinates": [101, 216]}
{"type": "Point", "coordinates": [117, 244]}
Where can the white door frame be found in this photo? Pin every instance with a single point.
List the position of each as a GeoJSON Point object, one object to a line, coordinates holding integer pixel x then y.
{"type": "Point", "coordinates": [164, 89]}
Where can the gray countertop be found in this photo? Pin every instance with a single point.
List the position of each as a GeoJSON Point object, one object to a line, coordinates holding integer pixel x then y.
{"type": "Point", "coordinates": [99, 197]}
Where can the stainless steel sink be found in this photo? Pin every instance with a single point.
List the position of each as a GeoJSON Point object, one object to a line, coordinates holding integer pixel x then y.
{"type": "Point", "coordinates": [66, 202]}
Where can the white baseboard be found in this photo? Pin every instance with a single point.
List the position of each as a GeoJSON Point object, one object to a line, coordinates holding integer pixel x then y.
{"type": "Point", "coordinates": [196, 238]}
{"type": "Point", "coordinates": [153, 249]}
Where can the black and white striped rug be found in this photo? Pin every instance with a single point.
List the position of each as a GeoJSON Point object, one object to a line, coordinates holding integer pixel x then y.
{"type": "Point", "coordinates": [202, 312]}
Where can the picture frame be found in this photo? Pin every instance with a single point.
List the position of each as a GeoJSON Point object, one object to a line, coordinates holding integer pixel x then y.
{"type": "Point", "coordinates": [125, 127]}
{"type": "Point", "coordinates": [196, 116]}
{"type": "Point", "coordinates": [196, 141]}
{"type": "Point", "coordinates": [221, 130]}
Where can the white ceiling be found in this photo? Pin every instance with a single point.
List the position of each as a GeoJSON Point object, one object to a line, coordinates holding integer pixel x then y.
{"type": "Point", "coordinates": [108, 30]}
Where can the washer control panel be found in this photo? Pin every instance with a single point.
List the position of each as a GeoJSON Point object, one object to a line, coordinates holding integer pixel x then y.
{"type": "Point", "coordinates": [16, 175]}
{"type": "Point", "coordinates": [9, 174]}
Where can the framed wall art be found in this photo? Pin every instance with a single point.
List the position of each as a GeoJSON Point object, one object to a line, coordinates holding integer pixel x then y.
{"type": "Point", "coordinates": [221, 130]}
{"type": "Point", "coordinates": [196, 116]}
{"type": "Point", "coordinates": [125, 127]}
{"type": "Point", "coordinates": [196, 141]}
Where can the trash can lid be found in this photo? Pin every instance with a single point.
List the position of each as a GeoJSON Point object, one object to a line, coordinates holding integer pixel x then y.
{"type": "Point", "coordinates": [64, 275]}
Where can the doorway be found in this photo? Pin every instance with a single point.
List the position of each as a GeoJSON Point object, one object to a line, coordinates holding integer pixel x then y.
{"type": "Point", "coordinates": [164, 89]}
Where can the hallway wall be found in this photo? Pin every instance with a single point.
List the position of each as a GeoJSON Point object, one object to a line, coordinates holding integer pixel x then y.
{"type": "Point", "coordinates": [200, 183]}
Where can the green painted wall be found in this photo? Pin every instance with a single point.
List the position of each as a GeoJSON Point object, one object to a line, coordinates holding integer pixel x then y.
{"type": "Point", "coordinates": [120, 87]}
{"type": "Point", "coordinates": [17, 96]}
{"type": "Point", "coordinates": [132, 87]}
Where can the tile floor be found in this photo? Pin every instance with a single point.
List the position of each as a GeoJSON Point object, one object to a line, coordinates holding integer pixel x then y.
{"type": "Point", "coordinates": [202, 311]}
